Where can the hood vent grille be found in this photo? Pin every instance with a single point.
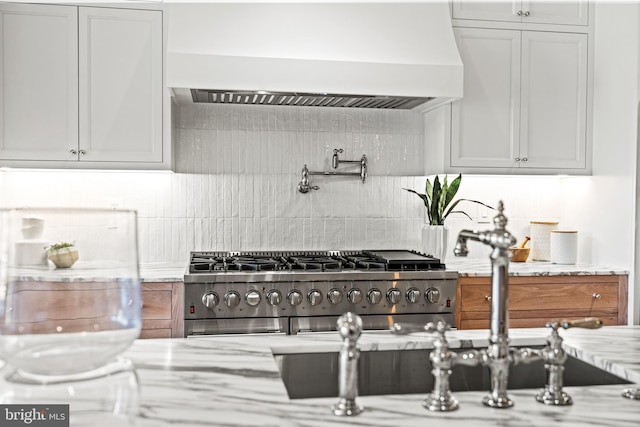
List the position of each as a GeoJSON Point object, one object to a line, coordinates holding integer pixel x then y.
{"type": "Point", "coordinates": [305, 99]}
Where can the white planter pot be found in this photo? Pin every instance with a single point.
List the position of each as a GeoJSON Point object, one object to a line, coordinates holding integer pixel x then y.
{"type": "Point", "coordinates": [434, 240]}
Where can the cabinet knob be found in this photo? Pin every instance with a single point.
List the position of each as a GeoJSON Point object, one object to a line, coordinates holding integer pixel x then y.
{"type": "Point", "coordinates": [487, 297]}
{"type": "Point", "coordinates": [73, 152]}
{"type": "Point", "coordinates": [597, 296]}
{"type": "Point", "coordinates": [517, 159]}
{"type": "Point", "coordinates": [527, 13]}
{"type": "Point", "coordinates": [82, 152]}
{"type": "Point", "coordinates": [519, 13]}
{"type": "Point", "coordinates": [524, 159]}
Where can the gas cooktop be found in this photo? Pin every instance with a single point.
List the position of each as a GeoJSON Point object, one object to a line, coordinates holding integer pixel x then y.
{"type": "Point", "coordinates": [312, 261]}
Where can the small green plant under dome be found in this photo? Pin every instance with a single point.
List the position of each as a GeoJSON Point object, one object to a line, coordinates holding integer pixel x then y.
{"type": "Point", "coordinates": [438, 197]}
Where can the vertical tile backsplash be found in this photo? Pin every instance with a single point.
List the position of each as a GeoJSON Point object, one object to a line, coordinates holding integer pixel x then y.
{"type": "Point", "coordinates": [234, 186]}
{"type": "Point", "coordinates": [237, 169]}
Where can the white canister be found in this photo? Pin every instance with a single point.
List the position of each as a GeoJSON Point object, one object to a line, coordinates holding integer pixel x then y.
{"type": "Point", "coordinates": [540, 239]}
{"type": "Point", "coordinates": [564, 247]}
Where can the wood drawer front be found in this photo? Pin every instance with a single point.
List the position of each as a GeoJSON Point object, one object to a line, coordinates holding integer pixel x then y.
{"type": "Point", "coordinates": [155, 333]}
{"type": "Point", "coordinates": [156, 304]}
{"type": "Point", "coordinates": [544, 296]}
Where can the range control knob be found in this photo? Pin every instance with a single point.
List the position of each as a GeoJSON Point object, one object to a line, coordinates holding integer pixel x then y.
{"type": "Point", "coordinates": [274, 297]}
{"type": "Point", "coordinates": [394, 296]}
{"type": "Point", "coordinates": [232, 299]}
{"type": "Point", "coordinates": [253, 298]}
{"type": "Point", "coordinates": [210, 300]}
{"type": "Point", "coordinates": [413, 295]}
{"type": "Point", "coordinates": [334, 296]}
{"type": "Point", "coordinates": [374, 296]}
{"type": "Point", "coordinates": [354, 295]}
{"type": "Point", "coordinates": [432, 295]}
{"type": "Point", "coordinates": [314, 297]}
{"type": "Point", "coordinates": [294, 297]}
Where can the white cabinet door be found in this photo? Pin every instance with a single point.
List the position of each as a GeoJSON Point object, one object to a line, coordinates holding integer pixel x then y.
{"type": "Point", "coordinates": [565, 12]}
{"type": "Point", "coordinates": [571, 12]}
{"type": "Point", "coordinates": [39, 82]}
{"type": "Point", "coordinates": [524, 104]}
{"type": "Point", "coordinates": [485, 123]}
{"type": "Point", "coordinates": [120, 55]}
{"type": "Point", "coordinates": [554, 105]}
{"type": "Point", "coordinates": [486, 10]}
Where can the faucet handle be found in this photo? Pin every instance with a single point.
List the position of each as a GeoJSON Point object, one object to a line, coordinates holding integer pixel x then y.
{"type": "Point", "coordinates": [586, 323]}
{"type": "Point", "coordinates": [554, 357]}
{"type": "Point", "coordinates": [439, 327]}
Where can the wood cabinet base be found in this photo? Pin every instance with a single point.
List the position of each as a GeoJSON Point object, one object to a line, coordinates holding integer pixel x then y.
{"type": "Point", "coordinates": [162, 310]}
{"type": "Point", "coordinates": [534, 300]}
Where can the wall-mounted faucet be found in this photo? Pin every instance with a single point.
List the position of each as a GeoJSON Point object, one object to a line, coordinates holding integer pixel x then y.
{"type": "Point", "coordinates": [304, 185]}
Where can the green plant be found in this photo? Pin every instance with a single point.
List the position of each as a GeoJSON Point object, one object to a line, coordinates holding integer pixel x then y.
{"type": "Point", "coordinates": [437, 197]}
{"type": "Point", "coordinates": [60, 245]}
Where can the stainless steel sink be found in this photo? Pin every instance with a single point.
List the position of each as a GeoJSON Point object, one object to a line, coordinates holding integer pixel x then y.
{"type": "Point", "coordinates": [307, 375]}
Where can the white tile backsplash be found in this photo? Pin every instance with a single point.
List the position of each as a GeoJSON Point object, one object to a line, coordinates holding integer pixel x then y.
{"type": "Point", "coordinates": [237, 169]}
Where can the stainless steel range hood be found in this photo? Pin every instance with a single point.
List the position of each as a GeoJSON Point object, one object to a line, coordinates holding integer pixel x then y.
{"type": "Point", "coordinates": [358, 54]}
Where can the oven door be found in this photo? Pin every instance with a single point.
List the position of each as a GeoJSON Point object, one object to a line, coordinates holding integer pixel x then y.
{"type": "Point", "coordinates": [256, 325]}
{"type": "Point", "coordinates": [373, 322]}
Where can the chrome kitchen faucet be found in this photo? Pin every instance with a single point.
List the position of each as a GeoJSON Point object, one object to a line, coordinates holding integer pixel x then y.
{"type": "Point", "coordinates": [498, 356]}
{"type": "Point", "coordinates": [350, 328]}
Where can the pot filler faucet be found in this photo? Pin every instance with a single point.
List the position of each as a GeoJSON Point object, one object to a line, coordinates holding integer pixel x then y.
{"type": "Point", "coordinates": [498, 356]}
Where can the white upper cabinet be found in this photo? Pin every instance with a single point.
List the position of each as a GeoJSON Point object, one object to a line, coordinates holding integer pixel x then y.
{"type": "Point", "coordinates": [120, 85]}
{"type": "Point", "coordinates": [81, 87]}
{"type": "Point", "coordinates": [554, 100]}
{"type": "Point", "coordinates": [485, 127]}
{"type": "Point", "coordinates": [525, 102]}
{"type": "Point", "coordinates": [39, 82]}
{"type": "Point", "coordinates": [571, 12]}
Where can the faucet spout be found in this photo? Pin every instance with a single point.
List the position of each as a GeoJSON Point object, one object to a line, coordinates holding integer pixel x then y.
{"type": "Point", "coordinates": [461, 249]}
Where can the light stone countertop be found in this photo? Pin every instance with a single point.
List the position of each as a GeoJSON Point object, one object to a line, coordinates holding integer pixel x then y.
{"type": "Point", "coordinates": [234, 381]}
{"type": "Point", "coordinates": [162, 272]}
{"type": "Point", "coordinates": [482, 267]}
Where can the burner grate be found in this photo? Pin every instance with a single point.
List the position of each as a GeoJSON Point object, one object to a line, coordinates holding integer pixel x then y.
{"type": "Point", "coordinates": [314, 263]}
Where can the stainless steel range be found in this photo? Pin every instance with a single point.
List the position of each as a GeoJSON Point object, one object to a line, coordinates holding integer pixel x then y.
{"type": "Point", "coordinates": [294, 292]}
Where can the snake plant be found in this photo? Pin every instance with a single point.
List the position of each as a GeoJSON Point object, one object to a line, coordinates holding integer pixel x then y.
{"type": "Point", "coordinates": [438, 197]}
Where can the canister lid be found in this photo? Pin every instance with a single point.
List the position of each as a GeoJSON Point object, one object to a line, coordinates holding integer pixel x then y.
{"type": "Point", "coordinates": [544, 222]}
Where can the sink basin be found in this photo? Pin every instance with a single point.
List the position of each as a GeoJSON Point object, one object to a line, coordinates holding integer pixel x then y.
{"type": "Point", "coordinates": [307, 375]}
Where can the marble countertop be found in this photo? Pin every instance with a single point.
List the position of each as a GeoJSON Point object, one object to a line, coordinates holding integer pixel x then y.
{"type": "Point", "coordinates": [234, 381]}
{"type": "Point", "coordinates": [162, 272]}
{"type": "Point", "coordinates": [481, 267]}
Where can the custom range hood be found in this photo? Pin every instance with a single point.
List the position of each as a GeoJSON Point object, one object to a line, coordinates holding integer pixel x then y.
{"type": "Point", "coordinates": [358, 54]}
